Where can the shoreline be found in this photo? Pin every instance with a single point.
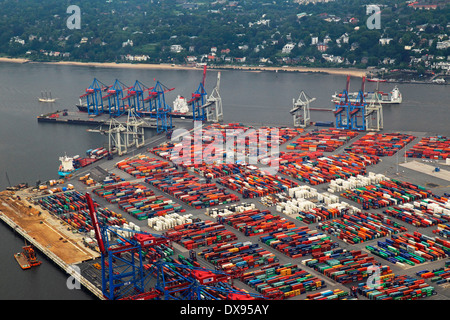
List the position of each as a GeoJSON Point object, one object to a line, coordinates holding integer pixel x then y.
{"type": "Point", "coordinates": [167, 66]}
{"type": "Point", "coordinates": [357, 73]}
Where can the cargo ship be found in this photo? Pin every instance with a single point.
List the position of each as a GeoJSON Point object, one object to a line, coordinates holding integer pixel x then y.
{"type": "Point", "coordinates": [392, 97]}
{"type": "Point", "coordinates": [71, 164]}
{"type": "Point", "coordinates": [27, 258]}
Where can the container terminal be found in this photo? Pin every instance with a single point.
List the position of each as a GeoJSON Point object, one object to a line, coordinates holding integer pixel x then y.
{"type": "Point", "coordinates": [344, 199]}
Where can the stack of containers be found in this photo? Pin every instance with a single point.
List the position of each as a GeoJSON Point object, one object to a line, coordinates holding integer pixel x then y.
{"type": "Point", "coordinates": [200, 233]}
{"type": "Point", "coordinates": [137, 200]}
{"type": "Point", "coordinates": [72, 208]}
{"type": "Point", "coordinates": [326, 169]}
{"type": "Point", "coordinates": [217, 171]}
{"type": "Point", "coordinates": [256, 222]}
{"type": "Point", "coordinates": [287, 280]}
{"type": "Point", "coordinates": [380, 144]}
{"type": "Point", "coordinates": [335, 294]}
{"type": "Point", "coordinates": [237, 256]}
{"type": "Point", "coordinates": [422, 213]}
{"type": "Point", "coordinates": [387, 193]}
{"type": "Point", "coordinates": [326, 140]}
{"type": "Point", "coordinates": [291, 157]}
{"type": "Point", "coordinates": [359, 181]}
{"type": "Point", "coordinates": [201, 139]}
{"type": "Point", "coordinates": [411, 249]}
{"type": "Point", "coordinates": [252, 182]}
{"type": "Point", "coordinates": [347, 266]}
{"type": "Point", "coordinates": [189, 189]}
{"type": "Point", "coordinates": [229, 210]}
{"type": "Point", "coordinates": [298, 242]}
{"type": "Point", "coordinates": [307, 205]}
{"type": "Point", "coordinates": [436, 147]}
{"type": "Point", "coordinates": [361, 227]}
{"type": "Point", "coordinates": [142, 166]}
{"type": "Point", "coordinates": [401, 287]}
{"type": "Point", "coordinates": [440, 276]}
{"type": "Point", "coordinates": [71, 201]}
{"type": "Point", "coordinates": [169, 221]}
{"type": "Point", "coordinates": [443, 230]}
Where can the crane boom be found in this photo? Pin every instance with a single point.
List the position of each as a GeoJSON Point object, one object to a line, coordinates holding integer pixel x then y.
{"type": "Point", "coordinates": [95, 224]}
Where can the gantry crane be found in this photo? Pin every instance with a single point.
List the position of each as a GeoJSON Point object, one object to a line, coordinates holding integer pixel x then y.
{"type": "Point", "coordinates": [300, 110]}
{"type": "Point", "coordinates": [358, 110]}
{"type": "Point", "coordinates": [198, 99]}
{"type": "Point", "coordinates": [158, 107]}
{"type": "Point", "coordinates": [94, 97]}
{"type": "Point", "coordinates": [122, 259]}
{"type": "Point", "coordinates": [181, 282]}
{"type": "Point", "coordinates": [135, 129]}
{"type": "Point", "coordinates": [213, 105]}
{"type": "Point", "coordinates": [342, 109]}
{"type": "Point", "coordinates": [116, 105]}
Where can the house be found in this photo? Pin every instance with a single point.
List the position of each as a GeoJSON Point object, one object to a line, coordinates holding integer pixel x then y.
{"type": "Point", "coordinates": [343, 39]}
{"type": "Point", "coordinates": [240, 60]}
{"type": "Point", "coordinates": [138, 58]}
{"type": "Point", "coordinates": [17, 40]}
{"type": "Point", "coordinates": [214, 49]}
{"type": "Point", "coordinates": [442, 45]}
{"type": "Point", "coordinates": [225, 51]}
{"type": "Point", "coordinates": [333, 59]}
{"type": "Point", "coordinates": [314, 40]}
{"type": "Point", "coordinates": [191, 58]}
{"type": "Point", "coordinates": [327, 39]}
{"type": "Point", "coordinates": [176, 48]}
{"type": "Point", "coordinates": [127, 43]}
{"type": "Point", "coordinates": [354, 46]}
{"type": "Point", "coordinates": [443, 65]}
{"type": "Point", "coordinates": [288, 48]}
{"type": "Point", "coordinates": [322, 47]}
{"type": "Point", "coordinates": [384, 41]}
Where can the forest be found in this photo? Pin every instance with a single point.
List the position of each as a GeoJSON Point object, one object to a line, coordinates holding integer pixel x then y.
{"type": "Point", "coordinates": [225, 32]}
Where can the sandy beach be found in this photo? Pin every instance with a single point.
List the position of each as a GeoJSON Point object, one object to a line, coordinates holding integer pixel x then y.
{"type": "Point", "coordinates": [166, 66]}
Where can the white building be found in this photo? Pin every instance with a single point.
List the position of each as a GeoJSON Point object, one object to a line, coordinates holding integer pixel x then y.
{"type": "Point", "coordinates": [127, 43]}
{"type": "Point", "coordinates": [288, 47]}
{"type": "Point", "coordinates": [443, 44]}
{"type": "Point", "coordinates": [384, 41]}
{"type": "Point", "coordinates": [176, 48]}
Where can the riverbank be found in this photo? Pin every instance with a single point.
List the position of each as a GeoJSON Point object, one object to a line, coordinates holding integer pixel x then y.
{"type": "Point", "coordinates": [167, 66]}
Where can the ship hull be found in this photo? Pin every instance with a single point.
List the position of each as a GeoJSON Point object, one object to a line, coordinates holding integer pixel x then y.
{"type": "Point", "coordinates": [22, 261]}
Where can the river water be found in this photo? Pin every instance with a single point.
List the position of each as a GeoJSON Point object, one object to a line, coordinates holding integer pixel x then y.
{"type": "Point", "coordinates": [29, 150]}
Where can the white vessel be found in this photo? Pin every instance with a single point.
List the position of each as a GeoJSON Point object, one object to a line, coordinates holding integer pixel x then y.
{"type": "Point", "coordinates": [66, 166]}
{"type": "Point", "coordinates": [180, 105]}
{"type": "Point", "coordinates": [47, 97]}
{"type": "Point", "coordinates": [392, 97]}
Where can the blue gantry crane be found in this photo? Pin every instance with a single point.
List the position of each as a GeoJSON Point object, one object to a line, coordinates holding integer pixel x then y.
{"type": "Point", "coordinates": [158, 107]}
{"type": "Point", "coordinates": [182, 282]}
{"type": "Point", "coordinates": [342, 109]}
{"type": "Point", "coordinates": [116, 104]}
{"type": "Point", "coordinates": [122, 259]}
{"type": "Point", "coordinates": [128, 273]}
{"type": "Point", "coordinates": [358, 110]}
{"type": "Point", "coordinates": [135, 96]}
{"type": "Point", "coordinates": [94, 97]}
{"type": "Point", "coordinates": [198, 99]}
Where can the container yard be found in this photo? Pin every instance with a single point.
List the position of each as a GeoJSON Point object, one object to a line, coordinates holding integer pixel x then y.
{"type": "Point", "coordinates": [317, 228]}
